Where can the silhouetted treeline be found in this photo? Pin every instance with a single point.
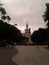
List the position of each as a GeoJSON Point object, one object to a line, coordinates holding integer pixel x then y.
{"type": "Point", "coordinates": [39, 37]}
{"type": "Point", "coordinates": [9, 33]}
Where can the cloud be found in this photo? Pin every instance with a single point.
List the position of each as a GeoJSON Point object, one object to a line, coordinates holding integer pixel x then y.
{"type": "Point", "coordinates": [21, 11]}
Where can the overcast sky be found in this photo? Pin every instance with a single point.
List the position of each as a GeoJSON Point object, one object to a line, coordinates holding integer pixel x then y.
{"type": "Point", "coordinates": [21, 11]}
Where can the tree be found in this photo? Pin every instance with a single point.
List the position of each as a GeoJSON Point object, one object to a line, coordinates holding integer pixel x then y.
{"type": "Point", "coordinates": [46, 19]}
{"type": "Point", "coordinates": [46, 14]}
{"type": "Point", "coordinates": [4, 15]}
{"type": "Point", "coordinates": [9, 32]}
{"type": "Point", "coordinates": [39, 37]}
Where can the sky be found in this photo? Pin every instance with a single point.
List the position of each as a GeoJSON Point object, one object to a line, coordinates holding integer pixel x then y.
{"type": "Point", "coordinates": [22, 11]}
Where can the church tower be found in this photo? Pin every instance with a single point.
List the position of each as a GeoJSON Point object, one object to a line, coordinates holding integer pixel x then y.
{"type": "Point", "coordinates": [28, 35]}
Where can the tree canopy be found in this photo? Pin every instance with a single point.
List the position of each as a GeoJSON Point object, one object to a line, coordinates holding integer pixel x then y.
{"type": "Point", "coordinates": [9, 33]}
{"type": "Point", "coordinates": [46, 14]}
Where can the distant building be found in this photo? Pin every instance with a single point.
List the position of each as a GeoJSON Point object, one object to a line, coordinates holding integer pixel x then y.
{"type": "Point", "coordinates": [27, 34]}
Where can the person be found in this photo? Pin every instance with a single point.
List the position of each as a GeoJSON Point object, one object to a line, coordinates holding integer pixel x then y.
{"type": "Point", "coordinates": [12, 43]}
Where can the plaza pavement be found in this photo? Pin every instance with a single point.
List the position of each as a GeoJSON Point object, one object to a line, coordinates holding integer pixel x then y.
{"type": "Point", "coordinates": [31, 55]}
{"type": "Point", "coordinates": [24, 55]}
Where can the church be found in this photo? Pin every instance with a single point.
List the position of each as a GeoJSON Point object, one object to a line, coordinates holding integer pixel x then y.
{"type": "Point", "coordinates": [27, 34]}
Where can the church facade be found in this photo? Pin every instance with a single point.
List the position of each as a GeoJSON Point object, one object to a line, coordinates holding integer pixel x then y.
{"type": "Point", "coordinates": [27, 34]}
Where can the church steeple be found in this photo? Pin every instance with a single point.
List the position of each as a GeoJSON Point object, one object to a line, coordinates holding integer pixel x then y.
{"type": "Point", "coordinates": [26, 25]}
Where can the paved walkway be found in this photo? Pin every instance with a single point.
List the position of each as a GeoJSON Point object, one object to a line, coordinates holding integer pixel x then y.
{"type": "Point", "coordinates": [31, 55]}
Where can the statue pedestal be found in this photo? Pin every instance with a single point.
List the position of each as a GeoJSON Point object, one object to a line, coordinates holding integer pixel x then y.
{"type": "Point", "coordinates": [29, 42]}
